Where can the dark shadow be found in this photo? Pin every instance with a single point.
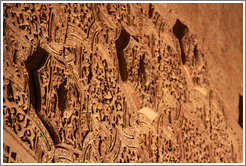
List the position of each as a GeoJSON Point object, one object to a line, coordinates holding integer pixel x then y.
{"type": "Point", "coordinates": [10, 92]}
{"type": "Point", "coordinates": [240, 108]}
{"type": "Point", "coordinates": [195, 51]}
{"type": "Point", "coordinates": [90, 75]}
{"type": "Point", "coordinates": [141, 69]}
{"type": "Point", "coordinates": [150, 10]}
{"type": "Point", "coordinates": [179, 30]}
{"type": "Point", "coordinates": [62, 98]}
{"type": "Point", "coordinates": [121, 44]}
{"type": "Point", "coordinates": [33, 64]}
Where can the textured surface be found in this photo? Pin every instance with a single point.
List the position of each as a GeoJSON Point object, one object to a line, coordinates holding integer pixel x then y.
{"type": "Point", "coordinates": [123, 83]}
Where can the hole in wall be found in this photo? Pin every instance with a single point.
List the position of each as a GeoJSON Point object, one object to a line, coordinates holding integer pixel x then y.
{"type": "Point", "coordinates": [10, 92]}
{"type": "Point", "coordinates": [121, 44]}
{"type": "Point", "coordinates": [195, 51]}
{"type": "Point", "coordinates": [240, 109]}
{"type": "Point", "coordinates": [62, 98]}
{"type": "Point", "coordinates": [179, 30]}
{"type": "Point", "coordinates": [150, 10]}
{"type": "Point", "coordinates": [33, 64]}
{"type": "Point", "coordinates": [141, 70]}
